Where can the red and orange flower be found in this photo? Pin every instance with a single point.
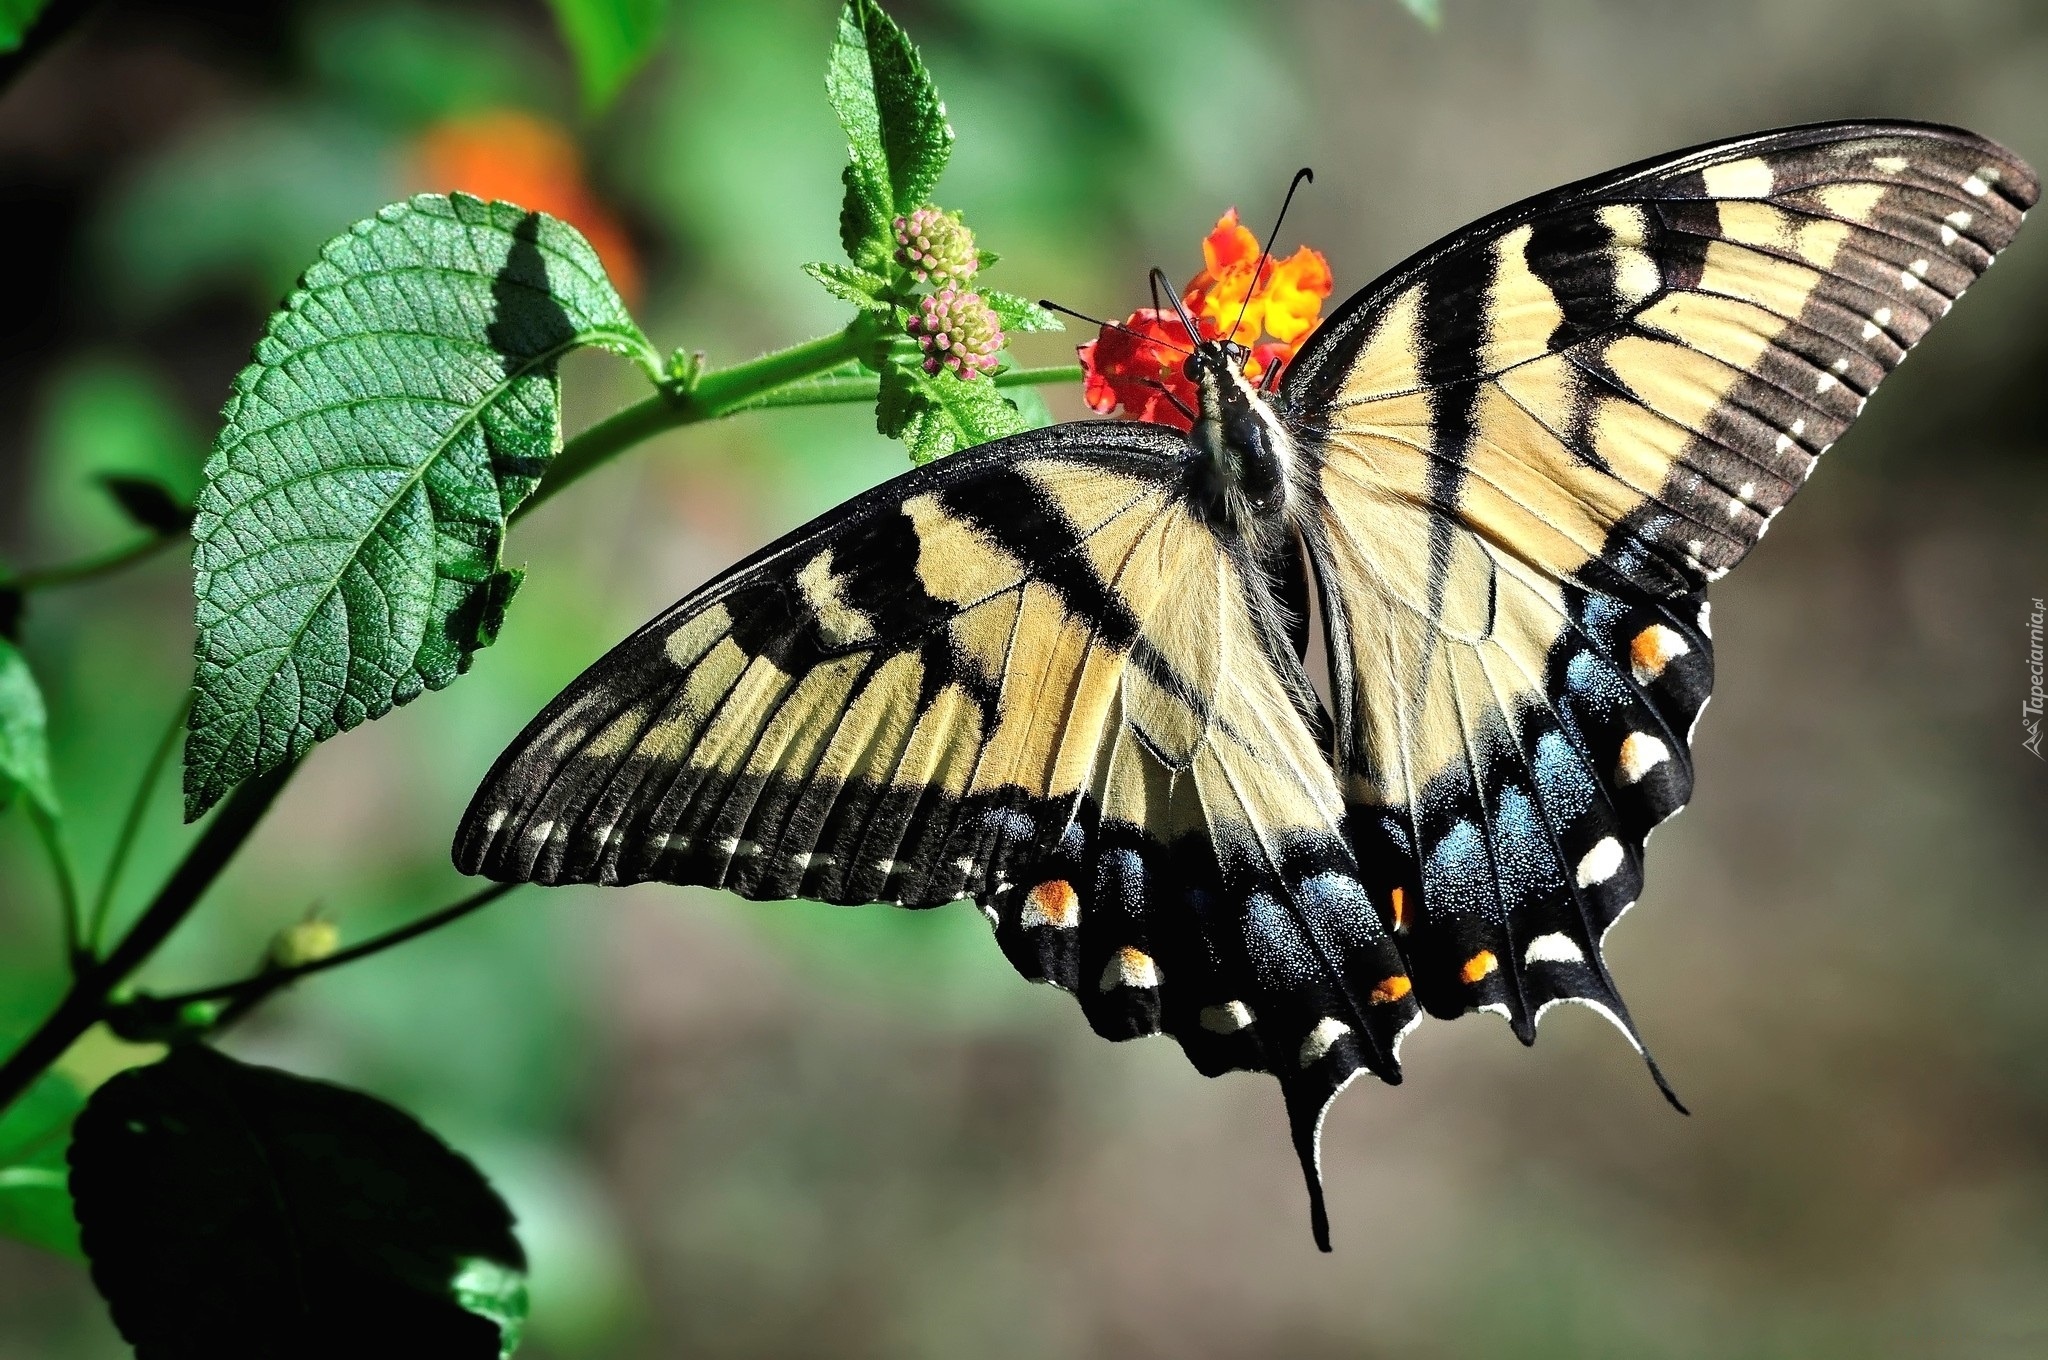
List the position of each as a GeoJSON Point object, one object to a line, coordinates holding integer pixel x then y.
{"type": "Point", "coordinates": [525, 159]}
{"type": "Point", "coordinates": [1136, 368]}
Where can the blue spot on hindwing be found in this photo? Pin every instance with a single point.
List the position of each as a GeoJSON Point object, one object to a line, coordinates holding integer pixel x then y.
{"type": "Point", "coordinates": [1280, 954]}
{"type": "Point", "coordinates": [1595, 683]}
{"type": "Point", "coordinates": [1457, 876]}
{"type": "Point", "coordinates": [1336, 903]}
{"type": "Point", "coordinates": [1562, 778]}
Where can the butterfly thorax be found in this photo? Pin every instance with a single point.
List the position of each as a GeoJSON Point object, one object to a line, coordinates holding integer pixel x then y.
{"type": "Point", "coordinates": [1245, 458]}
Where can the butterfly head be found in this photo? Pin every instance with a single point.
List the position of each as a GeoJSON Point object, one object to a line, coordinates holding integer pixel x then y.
{"type": "Point", "coordinates": [1245, 458]}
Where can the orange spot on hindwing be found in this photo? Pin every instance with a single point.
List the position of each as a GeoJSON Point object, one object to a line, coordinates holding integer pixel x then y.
{"type": "Point", "coordinates": [1400, 900]}
{"type": "Point", "coordinates": [1479, 965]}
{"type": "Point", "coordinates": [1052, 903]}
{"type": "Point", "coordinates": [1391, 989]}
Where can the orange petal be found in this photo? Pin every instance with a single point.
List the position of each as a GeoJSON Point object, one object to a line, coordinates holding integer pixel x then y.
{"type": "Point", "coordinates": [1229, 244]}
{"type": "Point", "coordinates": [520, 158]}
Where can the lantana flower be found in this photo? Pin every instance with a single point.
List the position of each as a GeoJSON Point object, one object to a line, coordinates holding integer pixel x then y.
{"type": "Point", "coordinates": [1284, 302]}
{"type": "Point", "coordinates": [525, 159]}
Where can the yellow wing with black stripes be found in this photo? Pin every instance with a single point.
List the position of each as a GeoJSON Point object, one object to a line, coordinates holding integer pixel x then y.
{"type": "Point", "coordinates": [1536, 443]}
{"type": "Point", "coordinates": [1048, 676]}
{"type": "Point", "coordinates": [1029, 675]}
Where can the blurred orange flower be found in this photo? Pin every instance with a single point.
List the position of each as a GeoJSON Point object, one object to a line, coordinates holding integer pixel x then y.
{"type": "Point", "coordinates": [524, 159]}
{"type": "Point", "coordinates": [1284, 301]}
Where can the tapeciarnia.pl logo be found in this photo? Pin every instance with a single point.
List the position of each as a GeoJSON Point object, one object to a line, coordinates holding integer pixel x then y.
{"type": "Point", "coordinates": [2030, 711]}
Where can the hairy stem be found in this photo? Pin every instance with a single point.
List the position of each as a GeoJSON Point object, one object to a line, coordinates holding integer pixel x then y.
{"type": "Point", "coordinates": [787, 377]}
{"type": "Point", "coordinates": [866, 387]}
{"type": "Point", "coordinates": [712, 395]}
{"type": "Point", "coordinates": [85, 1001]}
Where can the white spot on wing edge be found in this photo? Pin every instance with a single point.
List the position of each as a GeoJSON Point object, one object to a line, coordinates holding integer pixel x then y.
{"type": "Point", "coordinates": [1657, 646]}
{"type": "Point", "coordinates": [1129, 967]}
{"type": "Point", "coordinates": [1975, 186]}
{"type": "Point", "coordinates": [1556, 947]}
{"type": "Point", "coordinates": [1321, 1039]}
{"type": "Point", "coordinates": [1599, 864]}
{"type": "Point", "coordinates": [1706, 618]}
{"type": "Point", "coordinates": [1640, 754]}
{"type": "Point", "coordinates": [1228, 1018]}
{"type": "Point", "coordinates": [494, 823]}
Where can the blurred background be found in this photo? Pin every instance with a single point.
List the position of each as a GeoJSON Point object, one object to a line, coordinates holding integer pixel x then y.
{"type": "Point", "coordinates": [794, 1130]}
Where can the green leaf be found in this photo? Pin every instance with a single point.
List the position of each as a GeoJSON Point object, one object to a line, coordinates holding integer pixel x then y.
{"type": "Point", "coordinates": [150, 504]}
{"type": "Point", "coordinates": [1430, 12]}
{"type": "Point", "coordinates": [897, 135]}
{"type": "Point", "coordinates": [17, 17]}
{"type": "Point", "coordinates": [1019, 315]}
{"type": "Point", "coordinates": [35, 1201]}
{"type": "Point", "coordinates": [609, 39]}
{"type": "Point", "coordinates": [24, 735]}
{"type": "Point", "coordinates": [937, 414]}
{"type": "Point", "coordinates": [400, 407]}
{"type": "Point", "coordinates": [849, 283]}
{"type": "Point", "coordinates": [231, 1210]}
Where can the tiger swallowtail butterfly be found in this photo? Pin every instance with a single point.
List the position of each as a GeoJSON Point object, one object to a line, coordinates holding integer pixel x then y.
{"type": "Point", "coordinates": [1063, 674]}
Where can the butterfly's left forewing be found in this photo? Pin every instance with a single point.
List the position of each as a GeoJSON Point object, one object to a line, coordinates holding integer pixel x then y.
{"type": "Point", "coordinates": [1536, 443]}
{"type": "Point", "coordinates": [1030, 675]}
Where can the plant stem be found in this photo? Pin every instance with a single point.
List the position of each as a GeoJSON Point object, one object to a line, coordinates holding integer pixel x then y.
{"type": "Point", "coordinates": [85, 1001]}
{"type": "Point", "coordinates": [131, 825]}
{"type": "Point", "coordinates": [827, 391]}
{"type": "Point", "coordinates": [86, 568]}
{"type": "Point", "coordinates": [712, 395]}
{"type": "Point", "coordinates": [51, 834]}
{"type": "Point", "coordinates": [787, 377]}
{"type": "Point", "coordinates": [246, 992]}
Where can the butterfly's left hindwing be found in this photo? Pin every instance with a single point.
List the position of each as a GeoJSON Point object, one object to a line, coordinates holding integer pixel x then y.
{"type": "Point", "coordinates": [1031, 675]}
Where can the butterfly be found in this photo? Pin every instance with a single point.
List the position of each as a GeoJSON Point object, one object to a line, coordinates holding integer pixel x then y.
{"type": "Point", "coordinates": [1064, 675]}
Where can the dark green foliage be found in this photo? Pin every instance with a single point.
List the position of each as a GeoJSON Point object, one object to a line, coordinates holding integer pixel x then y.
{"type": "Point", "coordinates": [400, 407]}
{"type": "Point", "coordinates": [863, 288]}
{"type": "Point", "coordinates": [938, 414]}
{"type": "Point", "coordinates": [1020, 316]}
{"type": "Point", "coordinates": [897, 136]}
{"type": "Point", "coordinates": [232, 1211]}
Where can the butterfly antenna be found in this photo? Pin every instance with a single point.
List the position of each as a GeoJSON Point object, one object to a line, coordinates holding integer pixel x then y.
{"type": "Point", "coordinates": [1158, 277]}
{"type": "Point", "coordinates": [1303, 174]}
{"type": "Point", "coordinates": [1052, 306]}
